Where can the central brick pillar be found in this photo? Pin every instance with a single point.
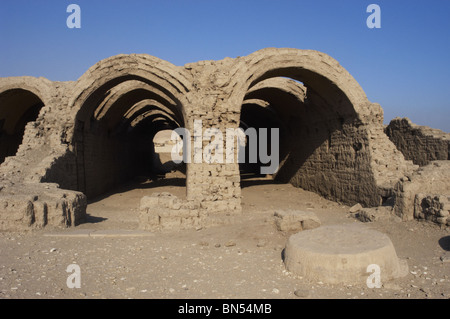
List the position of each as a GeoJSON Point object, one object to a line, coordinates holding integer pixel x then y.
{"type": "Point", "coordinates": [214, 186]}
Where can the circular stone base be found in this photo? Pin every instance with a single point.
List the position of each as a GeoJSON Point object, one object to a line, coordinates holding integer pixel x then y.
{"type": "Point", "coordinates": [341, 254]}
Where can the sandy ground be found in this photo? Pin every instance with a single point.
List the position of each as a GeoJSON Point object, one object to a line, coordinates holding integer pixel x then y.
{"type": "Point", "coordinates": [241, 260]}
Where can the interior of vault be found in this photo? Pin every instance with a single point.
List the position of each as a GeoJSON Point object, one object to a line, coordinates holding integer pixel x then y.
{"type": "Point", "coordinates": [316, 122]}
{"type": "Point", "coordinates": [17, 108]}
{"type": "Point", "coordinates": [114, 139]}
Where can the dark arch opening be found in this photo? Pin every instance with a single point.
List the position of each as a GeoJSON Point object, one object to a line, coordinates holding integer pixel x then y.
{"type": "Point", "coordinates": [18, 107]}
{"type": "Point", "coordinates": [116, 150]}
{"type": "Point", "coordinates": [258, 116]}
{"type": "Point", "coordinates": [317, 131]}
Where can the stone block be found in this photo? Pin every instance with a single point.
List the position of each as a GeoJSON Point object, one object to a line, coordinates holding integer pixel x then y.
{"type": "Point", "coordinates": [355, 208]}
{"type": "Point", "coordinates": [295, 220]}
{"type": "Point", "coordinates": [374, 214]}
{"type": "Point", "coordinates": [57, 213]}
{"type": "Point", "coordinates": [176, 204]}
{"type": "Point", "coordinates": [432, 207]}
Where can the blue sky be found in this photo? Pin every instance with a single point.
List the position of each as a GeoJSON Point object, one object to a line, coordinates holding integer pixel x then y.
{"type": "Point", "coordinates": [404, 66]}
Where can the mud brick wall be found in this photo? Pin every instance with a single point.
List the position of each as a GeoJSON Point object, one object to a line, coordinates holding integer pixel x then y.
{"type": "Point", "coordinates": [420, 144]}
{"type": "Point", "coordinates": [335, 165]}
{"type": "Point", "coordinates": [431, 179]}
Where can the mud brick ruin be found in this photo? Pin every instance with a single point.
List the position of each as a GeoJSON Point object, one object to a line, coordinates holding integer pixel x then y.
{"type": "Point", "coordinates": [64, 142]}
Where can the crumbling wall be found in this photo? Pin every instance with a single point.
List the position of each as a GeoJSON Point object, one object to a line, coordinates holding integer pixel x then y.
{"type": "Point", "coordinates": [430, 179]}
{"type": "Point", "coordinates": [25, 203]}
{"type": "Point", "coordinates": [434, 208]}
{"type": "Point", "coordinates": [421, 144]}
{"type": "Point", "coordinates": [349, 163]}
{"type": "Point", "coordinates": [44, 139]}
{"type": "Point", "coordinates": [334, 164]}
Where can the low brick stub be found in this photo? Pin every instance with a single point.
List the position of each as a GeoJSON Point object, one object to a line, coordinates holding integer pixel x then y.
{"type": "Point", "coordinates": [295, 220]}
{"type": "Point", "coordinates": [431, 179]}
{"type": "Point", "coordinates": [35, 206]}
{"type": "Point", "coordinates": [432, 207]}
{"type": "Point", "coordinates": [166, 211]}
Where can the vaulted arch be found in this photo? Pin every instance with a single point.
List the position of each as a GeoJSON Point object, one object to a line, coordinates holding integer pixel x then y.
{"type": "Point", "coordinates": [324, 113]}
{"type": "Point", "coordinates": [118, 105]}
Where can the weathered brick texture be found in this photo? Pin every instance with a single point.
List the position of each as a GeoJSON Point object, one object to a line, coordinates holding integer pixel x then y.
{"type": "Point", "coordinates": [420, 144]}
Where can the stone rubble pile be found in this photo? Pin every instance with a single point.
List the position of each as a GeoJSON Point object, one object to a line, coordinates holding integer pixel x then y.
{"type": "Point", "coordinates": [434, 208]}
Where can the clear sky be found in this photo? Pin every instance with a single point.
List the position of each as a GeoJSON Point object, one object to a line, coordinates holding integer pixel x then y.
{"type": "Point", "coordinates": [404, 65]}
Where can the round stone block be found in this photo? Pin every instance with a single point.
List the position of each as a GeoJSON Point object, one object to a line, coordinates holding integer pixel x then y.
{"type": "Point", "coordinates": [342, 254]}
